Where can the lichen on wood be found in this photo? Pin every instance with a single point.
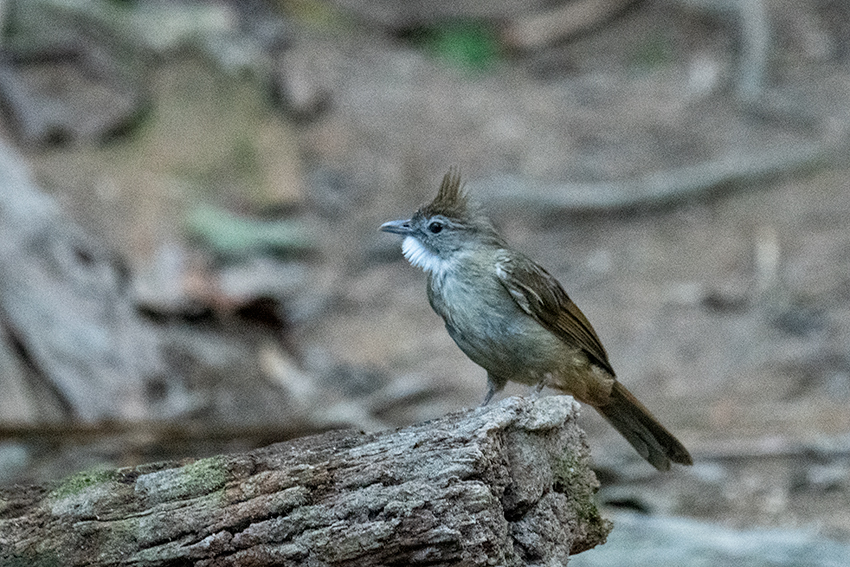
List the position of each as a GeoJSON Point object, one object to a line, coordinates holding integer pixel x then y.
{"type": "Point", "coordinates": [502, 485]}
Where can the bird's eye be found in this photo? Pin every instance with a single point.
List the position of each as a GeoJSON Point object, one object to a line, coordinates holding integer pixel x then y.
{"type": "Point", "coordinates": [435, 227]}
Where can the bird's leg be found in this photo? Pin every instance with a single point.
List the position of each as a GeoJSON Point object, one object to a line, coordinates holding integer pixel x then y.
{"type": "Point", "coordinates": [537, 388]}
{"type": "Point", "coordinates": [494, 384]}
{"type": "Point", "coordinates": [491, 391]}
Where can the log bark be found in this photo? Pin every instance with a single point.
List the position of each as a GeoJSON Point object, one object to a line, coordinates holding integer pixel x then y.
{"type": "Point", "coordinates": [504, 485]}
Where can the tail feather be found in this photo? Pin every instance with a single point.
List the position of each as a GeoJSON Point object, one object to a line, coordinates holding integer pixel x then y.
{"type": "Point", "coordinates": [642, 430]}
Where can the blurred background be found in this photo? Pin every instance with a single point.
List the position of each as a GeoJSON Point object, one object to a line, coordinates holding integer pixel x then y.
{"type": "Point", "coordinates": [190, 262]}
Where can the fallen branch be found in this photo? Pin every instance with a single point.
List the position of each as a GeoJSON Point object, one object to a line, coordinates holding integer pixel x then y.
{"type": "Point", "coordinates": [503, 485]}
{"type": "Point", "coordinates": [658, 188]}
{"type": "Point", "coordinates": [65, 312]}
{"type": "Point", "coordinates": [538, 29]}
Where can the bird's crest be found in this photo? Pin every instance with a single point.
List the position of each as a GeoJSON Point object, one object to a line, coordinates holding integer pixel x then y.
{"type": "Point", "coordinates": [451, 200]}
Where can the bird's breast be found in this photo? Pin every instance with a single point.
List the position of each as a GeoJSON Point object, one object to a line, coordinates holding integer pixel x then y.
{"type": "Point", "coordinates": [487, 325]}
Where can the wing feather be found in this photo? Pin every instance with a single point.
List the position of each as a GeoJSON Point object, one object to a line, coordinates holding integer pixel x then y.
{"type": "Point", "coordinates": [540, 295]}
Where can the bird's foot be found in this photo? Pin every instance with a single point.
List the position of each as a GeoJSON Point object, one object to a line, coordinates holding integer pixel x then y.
{"type": "Point", "coordinates": [537, 389]}
{"type": "Point", "coordinates": [491, 391]}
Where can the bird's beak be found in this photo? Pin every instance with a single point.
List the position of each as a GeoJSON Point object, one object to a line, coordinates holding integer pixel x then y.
{"type": "Point", "coordinates": [397, 227]}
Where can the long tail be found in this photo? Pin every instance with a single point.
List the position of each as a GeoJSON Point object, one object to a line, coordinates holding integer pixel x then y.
{"type": "Point", "coordinates": [642, 430]}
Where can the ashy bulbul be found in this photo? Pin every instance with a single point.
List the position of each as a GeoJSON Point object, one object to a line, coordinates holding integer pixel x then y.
{"type": "Point", "coordinates": [516, 321]}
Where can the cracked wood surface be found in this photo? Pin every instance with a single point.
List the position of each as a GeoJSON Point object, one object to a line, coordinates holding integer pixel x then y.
{"type": "Point", "coordinates": [502, 485]}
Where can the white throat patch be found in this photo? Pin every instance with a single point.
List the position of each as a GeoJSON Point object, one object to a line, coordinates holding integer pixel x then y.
{"type": "Point", "coordinates": [421, 257]}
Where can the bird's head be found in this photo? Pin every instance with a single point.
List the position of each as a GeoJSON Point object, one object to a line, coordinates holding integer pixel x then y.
{"type": "Point", "coordinates": [442, 231]}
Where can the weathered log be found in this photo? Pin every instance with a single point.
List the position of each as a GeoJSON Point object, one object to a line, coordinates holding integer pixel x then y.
{"type": "Point", "coordinates": [504, 485]}
{"type": "Point", "coordinates": [65, 309]}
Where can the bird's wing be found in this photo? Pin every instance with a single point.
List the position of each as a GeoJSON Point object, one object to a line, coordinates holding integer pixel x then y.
{"type": "Point", "coordinates": [540, 295]}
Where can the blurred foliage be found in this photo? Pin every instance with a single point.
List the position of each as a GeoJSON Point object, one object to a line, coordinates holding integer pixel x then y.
{"type": "Point", "coordinates": [229, 235]}
{"type": "Point", "coordinates": [653, 51]}
{"type": "Point", "coordinates": [468, 45]}
{"type": "Point", "coordinates": [314, 12]}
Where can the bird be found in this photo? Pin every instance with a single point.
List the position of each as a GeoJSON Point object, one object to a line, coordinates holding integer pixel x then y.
{"type": "Point", "coordinates": [514, 319]}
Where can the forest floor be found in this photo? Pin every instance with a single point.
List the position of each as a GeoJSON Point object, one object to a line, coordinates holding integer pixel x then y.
{"type": "Point", "coordinates": [726, 310]}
